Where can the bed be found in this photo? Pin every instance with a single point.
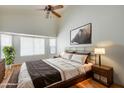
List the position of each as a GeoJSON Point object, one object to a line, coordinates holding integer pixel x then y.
{"type": "Point", "coordinates": [53, 72]}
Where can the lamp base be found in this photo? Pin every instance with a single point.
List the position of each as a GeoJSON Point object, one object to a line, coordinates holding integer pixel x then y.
{"type": "Point", "coordinates": [99, 60]}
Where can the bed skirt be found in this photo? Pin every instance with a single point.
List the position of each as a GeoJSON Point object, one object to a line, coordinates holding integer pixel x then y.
{"type": "Point", "coordinates": [72, 81]}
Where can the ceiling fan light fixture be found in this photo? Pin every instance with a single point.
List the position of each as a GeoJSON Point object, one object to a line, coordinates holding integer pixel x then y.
{"type": "Point", "coordinates": [49, 9]}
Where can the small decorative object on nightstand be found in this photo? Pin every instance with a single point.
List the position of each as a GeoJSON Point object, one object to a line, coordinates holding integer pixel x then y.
{"type": "Point", "coordinates": [103, 74]}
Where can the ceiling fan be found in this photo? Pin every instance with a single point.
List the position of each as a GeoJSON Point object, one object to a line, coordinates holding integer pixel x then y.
{"type": "Point", "coordinates": [49, 9]}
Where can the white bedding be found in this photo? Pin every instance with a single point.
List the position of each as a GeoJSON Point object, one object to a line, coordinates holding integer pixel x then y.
{"type": "Point", "coordinates": [67, 69]}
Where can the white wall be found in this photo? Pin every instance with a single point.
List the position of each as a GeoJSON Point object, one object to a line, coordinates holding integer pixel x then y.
{"type": "Point", "coordinates": [107, 31]}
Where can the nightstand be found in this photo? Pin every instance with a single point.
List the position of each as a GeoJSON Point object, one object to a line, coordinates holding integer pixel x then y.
{"type": "Point", "coordinates": [103, 74]}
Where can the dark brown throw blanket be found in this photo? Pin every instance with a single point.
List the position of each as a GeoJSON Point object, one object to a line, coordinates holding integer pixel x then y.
{"type": "Point", "coordinates": [42, 74]}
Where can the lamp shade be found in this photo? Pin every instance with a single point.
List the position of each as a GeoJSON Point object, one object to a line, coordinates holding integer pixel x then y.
{"type": "Point", "coordinates": [99, 50]}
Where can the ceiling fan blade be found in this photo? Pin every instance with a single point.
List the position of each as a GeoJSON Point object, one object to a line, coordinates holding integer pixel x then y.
{"type": "Point", "coordinates": [57, 7]}
{"type": "Point", "coordinates": [56, 14]}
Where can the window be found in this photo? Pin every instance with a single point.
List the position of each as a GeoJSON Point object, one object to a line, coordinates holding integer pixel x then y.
{"type": "Point", "coordinates": [26, 46]}
{"type": "Point", "coordinates": [39, 46]}
{"type": "Point", "coordinates": [32, 46]}
{"type": "Point", "coordinates": [52, 43]}
{"type": "Point", "coordinates": [6, 40]}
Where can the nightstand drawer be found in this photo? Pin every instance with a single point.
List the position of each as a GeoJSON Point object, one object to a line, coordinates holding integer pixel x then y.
{"type": "Point", "coordinates": [100, 71]}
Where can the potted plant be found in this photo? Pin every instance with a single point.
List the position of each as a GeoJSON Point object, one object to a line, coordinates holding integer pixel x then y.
{"type": "Point", "coordinates": [9, 54]}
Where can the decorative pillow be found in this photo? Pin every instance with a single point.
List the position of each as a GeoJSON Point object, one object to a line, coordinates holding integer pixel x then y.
{"type": "Point", "coordinates": [79, 58]}
{"type": "Point", "coordinates": [66, 55]}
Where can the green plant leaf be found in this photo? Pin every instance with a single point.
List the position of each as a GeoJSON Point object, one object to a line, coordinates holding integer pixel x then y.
{"type": "Point", "coordinates": [9, 54]}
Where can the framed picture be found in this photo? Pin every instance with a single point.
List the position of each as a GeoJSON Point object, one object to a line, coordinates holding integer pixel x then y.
{"type": "Point", "coordinates": [81, 35]}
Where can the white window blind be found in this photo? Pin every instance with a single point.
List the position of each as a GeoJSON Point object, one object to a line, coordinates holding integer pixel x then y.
{"type": "Point", "coordinates": [32, 46]}
{"type": "Point", "coordinates": [39, 46]}
{"type": "Point", "coordinates": [26, 46]}
{"type": "Point", "coordinates": [6, 40]}
{"type": "Point", "coordinates": [52, 43]}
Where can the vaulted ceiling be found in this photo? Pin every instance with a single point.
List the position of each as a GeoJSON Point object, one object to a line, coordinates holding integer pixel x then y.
{"type": "Point", "coordinates": [25, 9]}
{"type": "Point", "coordinates": [27, 19]}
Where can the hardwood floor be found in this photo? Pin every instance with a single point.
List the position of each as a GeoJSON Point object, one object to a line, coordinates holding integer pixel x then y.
{"type": "Point", "coordinates": [11, 78]}
{"type": "Point", "coordinates": [90, 83]}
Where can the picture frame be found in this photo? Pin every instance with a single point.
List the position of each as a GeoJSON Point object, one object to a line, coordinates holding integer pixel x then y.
{"type": "Point", "coordinates": [81, 35]}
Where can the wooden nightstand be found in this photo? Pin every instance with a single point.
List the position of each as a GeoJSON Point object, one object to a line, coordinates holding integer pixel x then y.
{"type": "Point", "coordinates": [103, 74]}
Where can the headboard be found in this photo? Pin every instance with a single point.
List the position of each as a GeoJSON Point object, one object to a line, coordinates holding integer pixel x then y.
{"type": "Point", "coordinates": [83, 50]}
{"type": "Point", "coordinates": [73, 49]}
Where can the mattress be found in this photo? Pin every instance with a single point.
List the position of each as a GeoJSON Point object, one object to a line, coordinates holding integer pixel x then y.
{"type": "Point", "coordinates": [67, 68]}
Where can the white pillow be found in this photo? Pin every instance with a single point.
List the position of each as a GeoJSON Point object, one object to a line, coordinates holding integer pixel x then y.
{"type": "Point", "coordinates": [79, 58]}
{"type": "Point", "coordinates": [66, 55]}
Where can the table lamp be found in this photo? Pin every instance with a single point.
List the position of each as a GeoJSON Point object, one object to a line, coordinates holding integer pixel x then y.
{"type": "Point", "coordinates": [99, 52]}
